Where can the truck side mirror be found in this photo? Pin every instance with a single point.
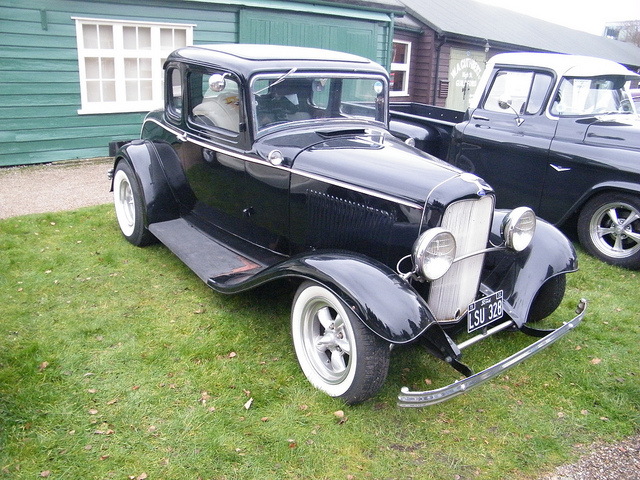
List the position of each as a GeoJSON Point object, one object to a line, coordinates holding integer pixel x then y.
{"type": "Point", "coordinates": [505, 104]}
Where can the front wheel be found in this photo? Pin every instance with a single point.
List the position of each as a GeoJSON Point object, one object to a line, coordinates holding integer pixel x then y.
{"type": "Point", "coordinates": [338, 354]}
{"type": "Point", "coordinates": [548, 298]}
{"type": "Point", "coordinates": [609, 228]}
{"type": "Point", "coordinates": [129, 204]}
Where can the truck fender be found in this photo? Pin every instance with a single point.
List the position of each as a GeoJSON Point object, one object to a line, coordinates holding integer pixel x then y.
{"type": "Point", "coordinates": [602, 187]}
{"type": "Point", "coordinates": [520, 275]}
{"type": "Point", "coordinates": [149, 161]}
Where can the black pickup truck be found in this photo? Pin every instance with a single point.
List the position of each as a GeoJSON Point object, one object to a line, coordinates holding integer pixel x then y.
{"type": "Point", "coordinates": [558, 133]}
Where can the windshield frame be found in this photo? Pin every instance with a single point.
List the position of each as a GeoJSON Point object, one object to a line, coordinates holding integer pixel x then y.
{"type": "Point", "coordinates": [314, 78]}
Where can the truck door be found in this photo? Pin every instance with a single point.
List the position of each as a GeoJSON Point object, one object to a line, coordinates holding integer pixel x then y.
{"type": "Point", "coordinates": [506, 141]}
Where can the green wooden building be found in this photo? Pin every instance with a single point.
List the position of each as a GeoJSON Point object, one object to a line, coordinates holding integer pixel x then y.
{"type": "Point", "coordinates": [75, 75]}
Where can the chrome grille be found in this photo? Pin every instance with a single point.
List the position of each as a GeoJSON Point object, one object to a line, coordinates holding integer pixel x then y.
{"type": "Point", "coordinates": [470, 223]}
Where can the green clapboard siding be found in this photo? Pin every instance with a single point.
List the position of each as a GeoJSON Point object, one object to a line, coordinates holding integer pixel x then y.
{"type": "Point", "coordinates": [39, 78]}
{"type": "Point", "coordinates": [348, 35]}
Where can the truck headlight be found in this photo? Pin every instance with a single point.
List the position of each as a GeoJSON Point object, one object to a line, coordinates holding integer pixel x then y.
{"type": "Point", "coordinates": [518, 227]}
{"type": "Point", "coordinates": [434, 252]}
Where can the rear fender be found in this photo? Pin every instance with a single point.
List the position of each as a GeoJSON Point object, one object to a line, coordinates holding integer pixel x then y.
{"type": "Point", "coordinates": [149, 162]}
{"type": "Point", "coordinates": [520, 275]}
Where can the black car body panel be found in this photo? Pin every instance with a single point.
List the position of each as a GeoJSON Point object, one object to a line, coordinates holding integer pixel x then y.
{"type": "Point", "coordinates": [335, 200]}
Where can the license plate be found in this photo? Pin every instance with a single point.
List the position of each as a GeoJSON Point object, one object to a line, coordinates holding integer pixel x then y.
{"type": "Point", "coordinates": [484, 311]}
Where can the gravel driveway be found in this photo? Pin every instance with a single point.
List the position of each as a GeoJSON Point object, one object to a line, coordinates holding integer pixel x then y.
{"type": "Point", "coordinates": [54, 187]}
{"type": "Point", "coordinates": [71, 185]}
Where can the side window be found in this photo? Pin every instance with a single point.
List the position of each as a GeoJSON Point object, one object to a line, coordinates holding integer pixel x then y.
{"type": "Point", "coordinates": [174, 103]}
{"type": "Point", "coordinates": [539, 89]}
{"type": "Point", "coordinates": [512, 87]}
{"type": "Point", "coordinates": [215, 100]}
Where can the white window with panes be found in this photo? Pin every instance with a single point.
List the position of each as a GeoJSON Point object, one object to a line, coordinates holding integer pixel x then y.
{"type": "Point", "coordinates": [400, 64]}
{"type": "Point", "coordinates": [120, 63]}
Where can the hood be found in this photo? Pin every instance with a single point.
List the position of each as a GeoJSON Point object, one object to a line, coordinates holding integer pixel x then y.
{"type": "Point", "coordinates": [381, 163]}
{"type": "Point", "coordinates": [622, 131]}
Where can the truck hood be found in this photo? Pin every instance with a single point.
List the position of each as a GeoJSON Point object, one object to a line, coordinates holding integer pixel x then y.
{"type": "Point", "coordinates": [622, 131]}
{"type": "Point", "coordinates": [381, 164]}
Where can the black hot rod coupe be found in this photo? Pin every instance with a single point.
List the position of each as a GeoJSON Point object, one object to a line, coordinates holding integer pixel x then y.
{"type": "Point", "coordinates": [271, 163]}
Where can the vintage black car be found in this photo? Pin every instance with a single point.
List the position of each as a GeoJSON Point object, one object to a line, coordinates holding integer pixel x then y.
{"type": "Point", "coordinates": [271, 163]}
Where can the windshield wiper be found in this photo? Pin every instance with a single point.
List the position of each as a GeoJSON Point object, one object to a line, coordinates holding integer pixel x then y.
{"type": "Point", "coordinates": [279, 80]}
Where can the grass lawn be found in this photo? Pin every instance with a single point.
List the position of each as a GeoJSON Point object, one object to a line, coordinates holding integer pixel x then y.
{"type": "Point", "coordinates": [117, 362]}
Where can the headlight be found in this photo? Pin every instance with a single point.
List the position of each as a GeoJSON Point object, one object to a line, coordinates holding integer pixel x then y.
{"type": "Point", "coordinates": [518, 228]}
{"type": "Point", "coordinates": [434, 252]}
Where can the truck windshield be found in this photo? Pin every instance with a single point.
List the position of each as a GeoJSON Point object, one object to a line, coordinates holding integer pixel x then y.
{"type": "Point", "coordinates": [287, 98]}
{"type": "Point", "coordinates": [591, 96]}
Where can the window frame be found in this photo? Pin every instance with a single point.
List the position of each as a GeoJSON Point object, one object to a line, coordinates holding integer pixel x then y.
{"type": "Point", "coordinates": [405, 68]}
{"type": "Point", "coordinates": [117, 54]}
{"type": "Point", "coordinates": [189, 85]}
{"type": "Point", "coordinates": [511, 78]}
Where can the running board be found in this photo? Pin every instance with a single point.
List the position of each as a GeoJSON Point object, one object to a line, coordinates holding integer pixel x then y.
{"type": "Point", "coordinates": [205, 256]}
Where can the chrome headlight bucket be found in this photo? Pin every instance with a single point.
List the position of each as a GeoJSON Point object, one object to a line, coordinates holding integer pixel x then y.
{"type": "Point", "coordinates": [518, 227]}
{"type": "Point", "coordinates": [434, 252]}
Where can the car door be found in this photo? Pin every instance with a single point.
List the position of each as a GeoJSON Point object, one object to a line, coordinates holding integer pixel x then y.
{"type": "Point", "coordinates": [507, 138]}
{"type": "Point", "coordinates": [235, 189]}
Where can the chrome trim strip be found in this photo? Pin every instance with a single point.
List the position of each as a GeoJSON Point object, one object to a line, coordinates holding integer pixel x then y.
{"type": "Point", "coordinates": [312, 176]}
{"type": "Point", "coordinates": [408, 398]}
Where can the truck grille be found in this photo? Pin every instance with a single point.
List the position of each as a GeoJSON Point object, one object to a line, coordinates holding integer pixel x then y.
{"type": "Point", "coordinates": [470, 223]}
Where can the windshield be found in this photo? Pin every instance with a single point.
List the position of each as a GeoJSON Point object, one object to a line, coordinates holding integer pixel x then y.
{"type": "Point", "coordinates": [591, 96]}
{"type": "Point", "coordinates": [293, 97]}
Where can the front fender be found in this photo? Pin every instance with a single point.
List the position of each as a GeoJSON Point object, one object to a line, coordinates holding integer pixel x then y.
{"type": "Point", "coordinates": [382, 300]}
{"type": "Point", "coordinates": [520, 275]}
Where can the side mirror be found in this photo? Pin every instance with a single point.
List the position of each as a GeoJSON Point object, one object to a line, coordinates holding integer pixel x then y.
{"type": "Point", "coordinates": [505, 104]}
{"type": "Point", "coordinates": [217, 82]}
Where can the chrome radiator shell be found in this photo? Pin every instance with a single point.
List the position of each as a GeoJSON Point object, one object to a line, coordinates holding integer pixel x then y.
{"type": "Point", "coordinates": [470, 223]}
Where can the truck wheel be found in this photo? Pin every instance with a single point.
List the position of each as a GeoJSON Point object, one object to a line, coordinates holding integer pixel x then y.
{"type": "Point", "coordinates": [336, 351]}
{"type": "Point", "coordinates": [548, 298]}
{"type": "Point", "coordinates": [129, 205]}
{"type": "Point", "coordinates": [609, 228]}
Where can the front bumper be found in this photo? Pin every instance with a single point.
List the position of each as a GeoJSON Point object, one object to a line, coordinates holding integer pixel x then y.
{"type": "Point", "coordinates": [408, 398]}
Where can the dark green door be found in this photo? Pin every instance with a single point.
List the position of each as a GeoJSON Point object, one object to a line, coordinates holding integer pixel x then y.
{"type": "Point", "coordinates": [359, 37]}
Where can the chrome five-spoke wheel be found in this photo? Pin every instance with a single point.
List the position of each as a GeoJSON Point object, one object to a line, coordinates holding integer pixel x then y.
{"type": "Point", "coordinates": [336, 351]}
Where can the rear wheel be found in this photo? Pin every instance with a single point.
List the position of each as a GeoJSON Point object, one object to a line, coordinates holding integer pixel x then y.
{"type": "Point", "coordinates": [130, 206]}
{"type": "Point", "coordinates": [336, 351]}
{"type": "Point", "coordinates": [609, 228]}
